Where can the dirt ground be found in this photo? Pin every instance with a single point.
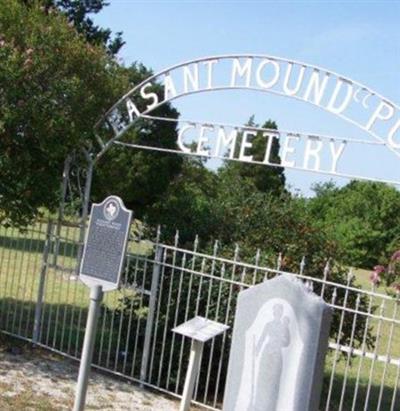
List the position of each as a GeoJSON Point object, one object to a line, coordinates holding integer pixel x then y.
{"type": "Point", "coordinates": [33, 379]}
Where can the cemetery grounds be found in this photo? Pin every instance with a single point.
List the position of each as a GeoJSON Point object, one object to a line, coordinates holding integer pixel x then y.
{"type": "Point", "coordinates": [66, 300]}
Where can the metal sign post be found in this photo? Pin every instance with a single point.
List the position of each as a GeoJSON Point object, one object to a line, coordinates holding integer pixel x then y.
{"type": "Point", "coordinates": [101, 267]}
{"type": "Point", "coordinates": [96, 296]}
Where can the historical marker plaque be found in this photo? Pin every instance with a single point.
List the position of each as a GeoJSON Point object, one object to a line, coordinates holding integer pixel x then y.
{"type": "Point", "coordinates": [105, 244]}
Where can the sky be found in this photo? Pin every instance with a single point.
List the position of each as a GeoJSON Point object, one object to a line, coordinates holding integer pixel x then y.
{"type": "Point", "coordinates": [357, 39]}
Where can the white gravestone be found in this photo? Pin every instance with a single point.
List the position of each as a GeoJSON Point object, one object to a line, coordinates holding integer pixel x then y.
{"type": "Point", "coordinates": [279, 343]}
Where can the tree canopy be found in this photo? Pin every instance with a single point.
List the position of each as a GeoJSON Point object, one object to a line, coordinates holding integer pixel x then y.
{"type": "Point", "coordinates": [362, 217]}
{"type": "Point", "coordinates": [54, 87]}
{"type": "Point", "coordinates": [265, 178]}
{"type": "Point", "coordinates": [140, 177]}
{"type": "Point", "coordinates": [77, 12]}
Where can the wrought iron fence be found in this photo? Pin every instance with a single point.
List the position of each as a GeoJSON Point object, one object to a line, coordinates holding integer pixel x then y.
{"type": "Point", "coordinates": [41, 300]}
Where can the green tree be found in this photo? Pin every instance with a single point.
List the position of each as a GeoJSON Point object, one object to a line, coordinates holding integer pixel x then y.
{"type": "Point", "coordinates": [188, 204]}
{"type": "Point", "coordinates": [53, 87]}
{"type": "Point", "coordinates": [140, 177]}
{"type": "Point", "coordinates": [265, 178]}
{"type": "Point", "coordinates": [362, 217]}
{"type": "Point", "coordinates": [77, 12]}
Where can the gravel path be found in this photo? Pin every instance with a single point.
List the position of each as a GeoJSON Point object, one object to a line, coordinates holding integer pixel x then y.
{"type": "Point", "coordinates": [33, 379]}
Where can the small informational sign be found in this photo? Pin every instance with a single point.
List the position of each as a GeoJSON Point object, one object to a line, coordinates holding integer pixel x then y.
{"type": "Point", "coordinates": [200, 329]}
{"type": "Point", "coordinates": [105, 244]}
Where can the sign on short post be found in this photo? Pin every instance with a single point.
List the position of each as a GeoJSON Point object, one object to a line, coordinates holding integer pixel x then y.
{"type": "Point", "coordinates": [101, 266]}
{"type": "Point", "coordinates": [200, 330]}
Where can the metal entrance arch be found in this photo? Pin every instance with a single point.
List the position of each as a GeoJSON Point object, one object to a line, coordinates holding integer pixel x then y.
{"type": "Point", "coordinates": [313, 85]}
{"type": "Point", "coordinates": [346, 99]}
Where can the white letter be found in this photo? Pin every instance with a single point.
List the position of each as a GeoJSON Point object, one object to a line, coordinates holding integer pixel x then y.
{"type": "Point", "coordinates": [246, 144]}
{"type": "Point", "coordinates": [209, 65]}
{"type": "Point", "coordinates": [269, 146]}
{"type": "Point", "coordinates": [317, 86]}
{"type": "Point", "coordinates": [192, 77]}
{"type": "Point", "coordinates": [238, 70]}
{"type": "Point", "coordinates": [275, 78]}
{"type": "Point", "coordinates": [182, 131]}
{"type": "Point", "coordinates": [132, 109]}
{"type": "Point", "coordinates": [147, 96]}
{"type": "Point", "coordinates": [336, 154]}
{"type": "Point", "coordinates": [312, 152]}
{"type": "Point", "coordinates": [391, 134]}
{"type": "Point", "coordinates": [203, 139]}
{"type": "Point", "coordinates": [169, 88]}
{"type": "Point", "coordinates": [288, 150]}
{"type": "Point", "coordinates": [286, 89]}
{"type": "Point", "coordinates": [339, 109]}
{"type": "Point", "coordinates": [225, 141]}
{"type": "Point", "coordinates": [382, 116]}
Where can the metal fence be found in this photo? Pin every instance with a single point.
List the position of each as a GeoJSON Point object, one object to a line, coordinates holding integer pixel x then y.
{"type": "Point", "coordinates": [41, 300]}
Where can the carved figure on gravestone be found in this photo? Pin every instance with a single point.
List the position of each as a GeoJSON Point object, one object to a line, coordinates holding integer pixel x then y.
{"type": "Point", "coordinates": [272, 350]}
{"type": "Point", "coordinates": [268, 355]}
{"type": "Point", "coordinates": [279, 342]}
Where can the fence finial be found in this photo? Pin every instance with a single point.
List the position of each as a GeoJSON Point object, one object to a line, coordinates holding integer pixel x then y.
{"type": "Point", "coordinates": [257, 258]}
{"type": "Point", "coordinates": [176, 240]}
{"type": "Point", "coordinates": [350, 275]}
{"type": "Point", "coordinates": [215, 248]}
{"type": "Point", "coordinates": [236, 252]}
{"type": "Point", "coordinates": [279, 261]}
{"type": "Point", "coordinates": [302, 264]}
{"type": "Point", "coordinates": [158, 233]}
{"type": "Point", "coordinates": [327, 269]}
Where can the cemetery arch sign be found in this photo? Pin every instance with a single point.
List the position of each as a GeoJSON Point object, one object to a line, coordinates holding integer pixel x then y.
{"type": "Point", "coordinates": [351, 101]}
{"type": "Point", "coordinates": [312, 84]}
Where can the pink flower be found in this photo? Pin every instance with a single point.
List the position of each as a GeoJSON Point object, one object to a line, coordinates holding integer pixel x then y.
{"type": "Point", "coordinates": [395, 256]}
{"type": "Point", "coordinates": [374, 277]}
{"type": "Point", "coordinates": [379, 269]}
{"type": "Point", "coordinates": [396, 287]}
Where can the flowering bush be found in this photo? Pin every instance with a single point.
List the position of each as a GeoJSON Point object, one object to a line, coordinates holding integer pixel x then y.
{"type": "Point", "coordinates": [388, 275]}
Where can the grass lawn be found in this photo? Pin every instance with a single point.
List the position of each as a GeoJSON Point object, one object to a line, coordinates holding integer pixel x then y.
{"type": "Point", "coordinates": [66, 299]}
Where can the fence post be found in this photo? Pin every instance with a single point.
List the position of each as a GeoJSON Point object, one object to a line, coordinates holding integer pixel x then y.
{"type": "Point", "coordinates": [64, 188]}
{"type": "Point", "coordinates": [85, 210]}
{"type": "Point", "coordinates": [42, 281]}
{"type": "Point", "coordinates": [152, 309]}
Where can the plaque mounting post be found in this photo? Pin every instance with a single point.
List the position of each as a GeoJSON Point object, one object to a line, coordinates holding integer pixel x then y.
{"type": "Point", "coordinates": [191, 374]}
{"type": "Point", "coordinates": [199, 330]}
{"type": "Point", "coordinates": [96, 296]}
